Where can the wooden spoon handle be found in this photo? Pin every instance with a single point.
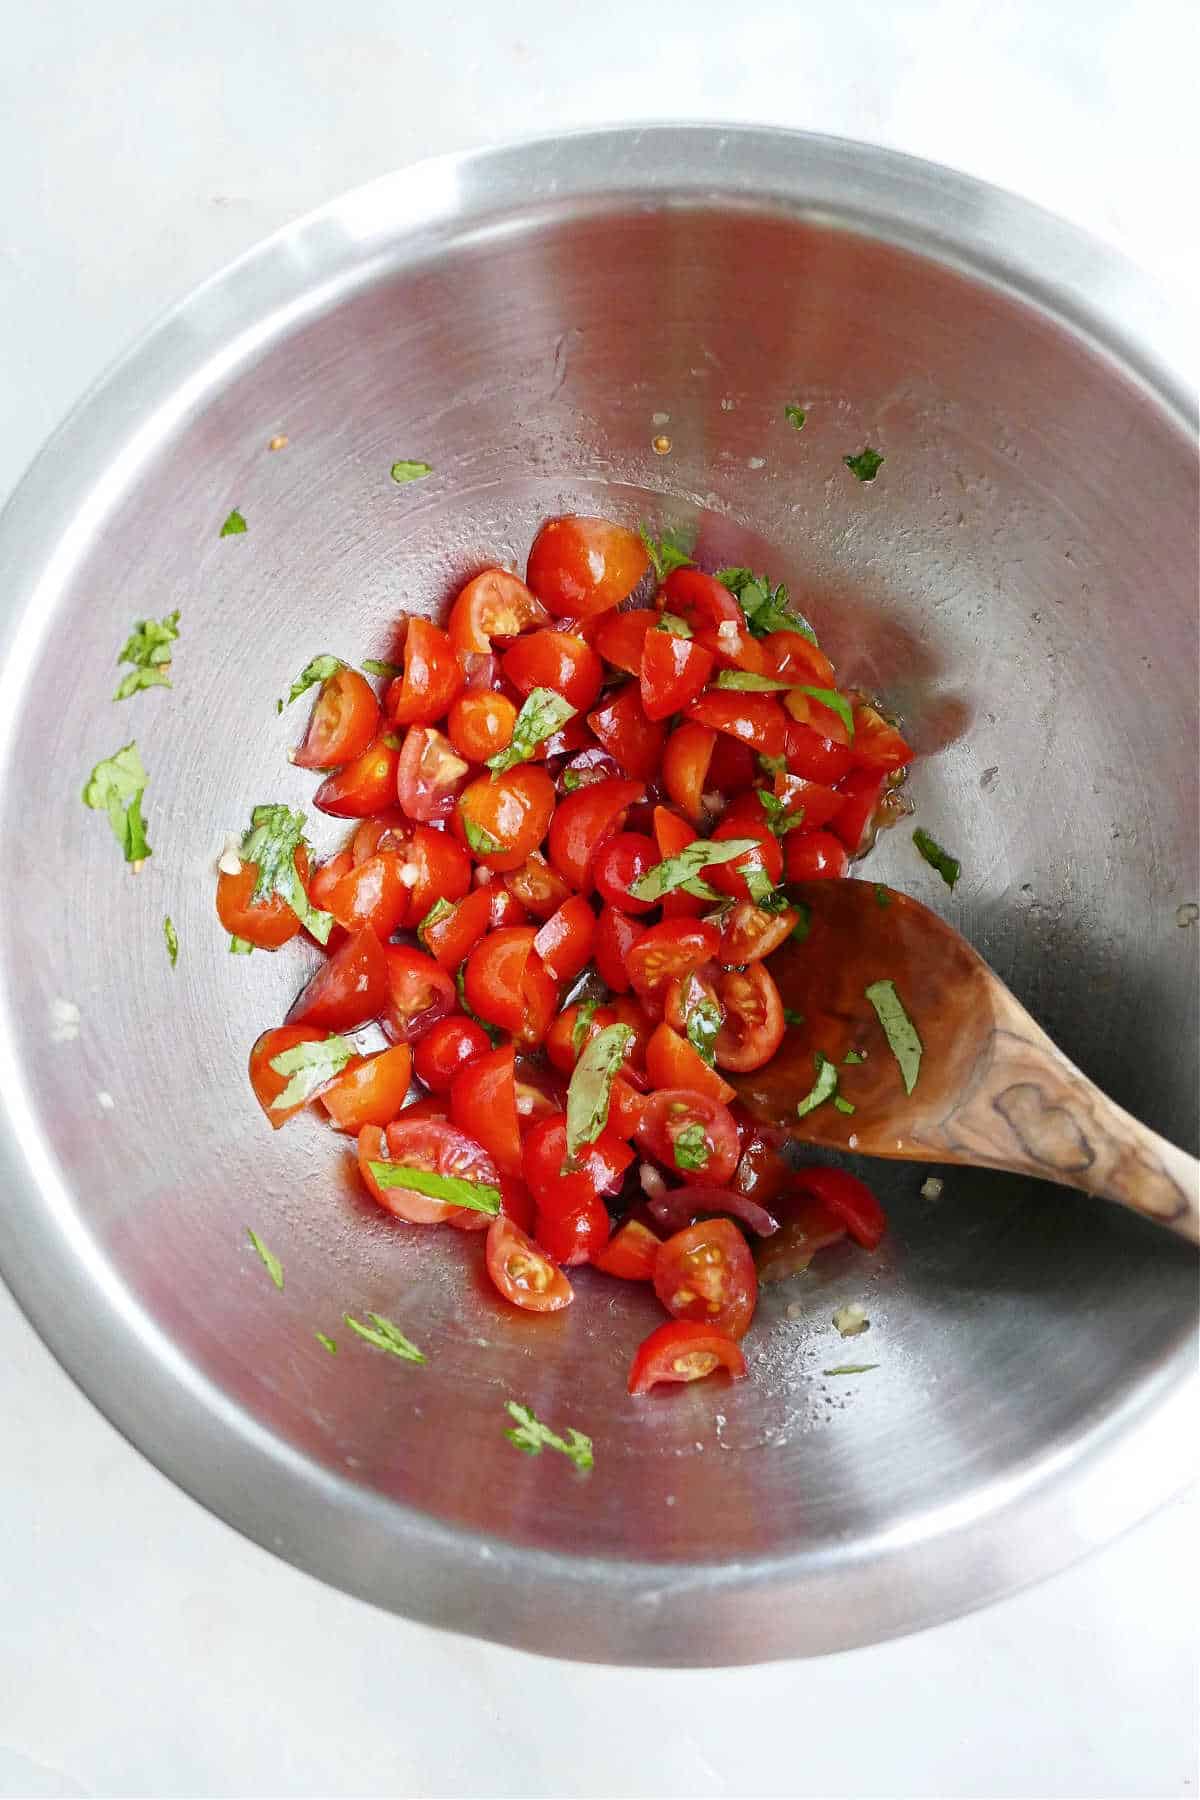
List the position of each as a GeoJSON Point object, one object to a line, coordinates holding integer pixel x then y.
{"type": "Point", "coordinates": [1029, 1108]}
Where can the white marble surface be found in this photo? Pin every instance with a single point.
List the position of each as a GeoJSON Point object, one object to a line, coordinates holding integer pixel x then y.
{"type": "Point", "coordinates": [144, 1649]}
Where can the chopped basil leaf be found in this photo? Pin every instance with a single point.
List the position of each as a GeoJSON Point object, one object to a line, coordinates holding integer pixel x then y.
{"type": "Point", "coordinates": [403, 472]}
{"type": "Point", "coordinates": [389, 671]}
{"type": "Point", "coordinates": [482, 842]}
{"type": "Point", "coordinates": [393, 740]}
{"type": "Point", "coordinates": [745, 683]}
{"type": "Point", "coordinates": [766, 608]}
{"type": "Point", "coordinates": [531, 1436]}
{"type": "Point", "coordinates": [275, 835]}
{"type": "Point", "coordinates": [677, 871]}
{"type": "Point", "coordinates": [234, 525]}
{"type": "Point", "coordinates": [903, 1039]}
{"type": "Point", "coordinates": [270, 1263]}
{"type": "Point", "coordinates": [792, 1017]}
{"type": "Point", "coordinates": [240, 947]}
{"type": "Point", "coordinates": [882, 895]}
{"type": "Point", "coordinates": [851, 1369]}
{"type": "Point", "coordinates": [947, 866]}
{"type": "Point", "coordinates": [836, 702]}
{"type": "Point", "coordinates": [759, 885]}
{"type": "Point", "coordinates": [385, 1336]}
{"type": "Point", "coordinates": [795, 415]}
{"type": "Point", "coordinates": [542, 714]}
{"type": "Point", "coordinates": [137, 679]}
{"type": "Point", "coordinates": [319, 669]}
{"type": "Point", "coordinates": [803, 923]}
{"type": "Point", "coordinates": [703, 1027]}
{"type": "Point", "coordinates": [854, 1056]}
{"type": "Point", "coordinates": [441, 909]}
{"type": "Point", "coordinates": [702, 890]}
{"type": "Point", "coordinates": [172, 937]}
{"type": "Point", "coordinates": [478, 1195]}
{"type": "Point", "coordinates": [666, 553]}
{"type": "Point", "coordinates": [779, 818]}
{"type": "Point", "coordinates": [772, 765]}
{"type": "Point", "coordinates": [116, 786]}
{"type": "Point", "coordinates": [148, 648]}
{"type": "Point", "coordinates": [583, 1019]}
{"type": "Point", "coordinates": [690, 1148]}
{"type": "Point", "coordinates": [866, 465]}
{"type": "Point", "coordinates": [571, 779]}
{"type": "Point", "coordinates": [326, 1343]}
{"type": "Point", "coordinates": [309, 1068]}
{"type": "Point", "coordinates": [672, 623]}
{"type": "Point", "coordinates": [823, 1088]}
{"type": "Point", "coordinates": [843, 1106]}
{"type": "Point", "coordinates": [590, 1087]}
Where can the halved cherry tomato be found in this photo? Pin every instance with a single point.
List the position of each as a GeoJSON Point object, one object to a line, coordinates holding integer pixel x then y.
{"type": "Point", "coordinates": [419, 993]}
{"type": "Point", "coordinates": [751, 932]}
{"type": "Point", "coordinates": [268, 924]}
{"type": "Point", "coordinates": [626, 1109]}
{"type": "Point", "coordinates": [370, 1092]}
{"type": "Point", "coordinates": [766, 861]}
{"type": "Point", "coordinates": [522, 1272]}
{"type": "Point", "coordinates": [878, 745]}
{"type": "Point", "coordinates": [762, 1173]}
{"type": "Point", "coordinates": [494, 604]}
{"type": "Point", "coordinates": [815, 757]}
{"type": "Point", "coordinates": [268, 1083]}
{"type": "Point", "coordinates": [434, 866]}
{"type": "Point", "coordinates": [754, 1022]}
{"type": "Point", "coordinates": [506, 908]}
{"type": "Point", "coordinates": [448, 1047]}
{"type": "Point", "coordinates": [428, 1144]}
{"type": "Point", "coordinates": [371, 893]}
{"type": "Point", "coordinates": [557, 660]}
{"type": "Point", "coordinates": [365, 786]}
{"type": "Point", "coordinates": [390, 831]}
{"type": "Point", "coordinates": [325, 877]}
{"type": "Point", "coordinates": [584, 770]}
{"type": "Point", "coordinates": [494, 976]}
{"type": "Point", "coordinates": [630, 1252]}
{"type": "Point", "coordinates": [851, 1200]}
{"type": "Point", "coordinates": [450, 935]}
{"type": "Point", "coordinates": [343, 723]}
{"type": "Point", "coordinates": [861, 791]}
{"type": "Point", "coordinates": [635, 741]}
{"type": "Point", "coordinates": [806, 709]}
{"type": "Point", "coordinates": [582, 821]}
{"type": "Point", "coordinates": [481, 724]}
{"type": "Point", "coordinates": [673, 671]}
{"type": "Point", "coordinates": [619, 638]}
{"type": "Point", "coordinates": [815, 856]}
{"type": "Point", "coordinates": [699, 599]}
{"type": "Point", "coordinates": [710, 1137]}
{"type": "Point", "coordinates": [511, 810]}
{"type": "Point", "coordinates": [558, 1189]}
{"type": "Point", "coordinates": [668, 951]}
{"type": "Point", "coordinates": [809, 1227]}
{"type": "Point", "coordinates": [620, 861]}
{"type": "Point", "coordinates": [671, 835]}
{"type": "Point", "coordinates": [754, 719]}
{"type": "Point", "coordinates": [430, 1106]}
{"type": "Point", "coordinates": [537, 886]}
{"type": "Point", "coordinates": [732, 768]}
{"type": "Point", "coordinates": [432, 676]}
{"type": "Point", "coordinates": [616, 935]}
{"type": "Point", "coordinates": [483, 1099]}
{"type": "Point", "coordinates": [564, 942]}
{"type": "Point", "coordinates": [790, 657]}
{"type": "Point", "coordinates": [731, 645]}
{"type": "Point", "coordinates": [349, 988]}
{"type": "Point", "coordinates": [682, 1350]}
{"type": "Point", "coordinates": [706, 1273]}
{"type": "Point", "coordinates": [582, 566]}
{"type": "Point", "coordinates": [429, 774]}
{"type": "Point", "coordinates": [561, 1047]}
{"type": "Point", "coordinates": [810, 801]}
{"type": "Point", "coordinates": [684, 771]}
{"type": "Point", "coordinates": [576, 1235]}
{"type": "Point", "coordinates": [671, 1062]}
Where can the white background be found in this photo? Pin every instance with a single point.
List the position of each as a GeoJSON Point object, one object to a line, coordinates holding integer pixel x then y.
{"type": "Point", "coordinates": [144, 1649]}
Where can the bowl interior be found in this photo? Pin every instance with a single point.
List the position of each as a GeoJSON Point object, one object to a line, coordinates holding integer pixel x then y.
{"type": "Point", "coordinates": [1017, 583]}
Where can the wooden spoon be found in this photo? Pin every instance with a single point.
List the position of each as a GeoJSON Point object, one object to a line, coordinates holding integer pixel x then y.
{"type": "Point", "coordinates": [991, 1088]}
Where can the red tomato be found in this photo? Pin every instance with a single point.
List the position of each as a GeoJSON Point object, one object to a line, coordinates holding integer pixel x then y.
{"type": "Point", "coordinates": [848, 1197]}
{"type": "Point", "coordinates": [827, 721]}
{"type": "Point", "coordinates": [537, 886]}
{"type": "Point", "coordinates": [564, 942]}
{"type": "Point", "coordinates": [429, 774]}
{"type": "Point", "coordinates": [672, 1062]}
{"type": "Point", "coordinates": [267, 1083]}
{"type": "Point", "coordinates": [481, 724]}
{"type": "Point", "coordinates": [635, 741]}
{"type": "Point", "coordinates": [618, 863]}
{"type": "Point", "coordinates": [557, 660]}
{"type": "Point", "coordinates": [560, 1043]}
{"type": "Point", "coordinates": [754, 1022]}
{"type": "Point", "coordinates": [751, 932]}
{"type": "Point", "coordinates": [512, 810]}
{"type": "Point", "coordinates": [448, 1047]}
{"type": "Point", "coordinates": [684, 771]}
{"type": "Point", "coordinates": [437, 867]}
{"type": "Point", "coordinates": [631, 1012]}
{"type": "Point", "coordinates": [483, 1098]}
{"type": "Point", "coordinates": [376, 835]}
{"type": "Point", "coordinates": [790, 657]}
{"type": "Point", "coordinates": [433, 1106]}
{"type": "Point", "coordinates": [671, 835]}
{"type": "Point", "coordinates": [732, 768]}
{"type": "Point", "coordinates": [706, 1273]}
{"type": "Point", "coordinates": [267, 924]}
{"type": "Point", "coordinates": [667, 952]}
{"type": "Point", "coordinates": [371, 893]}
{"type": "Point", "coordinates": [584, 566]}
{"type": "Point", "coordinates": [349, 988]}
{"type": "Point", "coordinates": [814, 757]}
{"type": "Point", "coordinates": [673, 671]}
{"type": "Point", "coordinates": [419, 994]}
{"type": "Point", "coordinates": [877, 745]}
{"type": "Point", "coordinates": [754, 719]}
{"type": "Point", "coordinates": [767, 859]}
{"type": "Point", "coordinates": [591, 765]}
{"type": "Point", "coordinates": [810, 801]}
{"type": "Point", "coordinates": [494, 975]}
{"type": "Point", "coordinates": [522, 1273]}
{"type": "Point", "coordinates": [428, 1144]}
{"type": "Point", "coordinates": [731, 645]}
{"type": "Point", "coordinates": [493, 604]}
{"type": "Point", "coordinates": [582, 821]}
{"type": "Point", "coordinates": [616, 935]}
{"type": "Point", "coordinates": [574, 1236]}
{"type": "Point", "coordinates": [619, 638]}
{"type": "Point", "coordinates": [365, 786]}
{"type": "Point", "coordinates": [810, 1226]}
{"type": "Point", "coordinates": [815, 856]}
{"type": "Point", "coordinates": [343, 724]}
{"type": "Point", "coordinates": [708, 1131]}
{"type": "Point", "coordinates": [370, 1092]}
{"type": "Point", "coordinates": [450, 936]}
{"type": "Point", "coordinates": [699, 599]}
{"type": "Point", "coordinates": [432, 676]}
{"type": "Point", "coordinates": [630, 1252]}
{"type": "Point", "coordinates": [325, 877]}
{"type": "Point", "coordinates": [861, 791]}
{"type": "Point", "coordinates": [558, 1190]}
{"type": "Point", "coordinates": [682, 1350]}
{"type": "Point", "coordinates": [626, 1109]}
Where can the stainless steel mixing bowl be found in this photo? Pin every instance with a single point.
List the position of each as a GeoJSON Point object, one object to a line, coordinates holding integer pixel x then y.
{"type": "Point", "coordinates": [1019, 581]}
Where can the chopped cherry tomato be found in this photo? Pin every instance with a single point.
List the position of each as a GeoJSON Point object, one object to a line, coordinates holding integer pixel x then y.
{"type": "Point", "coordinates": [815, 856]}
{"type": "Point", "coordinates": [494, 976]}
{"type": "Point", "coordinates": [619, 638]}
{"type": "Point", "coordinates": [812, 1226]}
{"type": "Point", "coordinates": [672, 1062]}
{"type": "Point", "coordinates": [699, 599]}
{"type": "Point", "coordinates": [616, 935]}
{"type": "Point", "coordinates": [850, 1199]}
{"type": "Point", "coordinates": [809, 801]}
{"type": "Point", "coordinates": [635, 741]}
{"type": "Point", "coordinates": [268, 1083]}
{"type": "Point", "coordinates": [708, 1154]}
{"type": "Point", "coordinates": [564, 942]}
{"type": "Point", "coordinates": [861, 791]}
{"type": "Point", "coordinates": [813, 756]}
{"type": "Point", "coordinates": [618, 863]}
{"type": "Point", "coordinates": [576, 1235]}
{"type": "Point", "coordinates": [754, 719]}
{"type": "Point", "coordinates": [667, 952]}
{"type": "Point", "coordinates": [686, 757]}
{"type": "Point", "coordinates": [365, 786]}
{"type": "Point", "coordinates": [630, 1252]}
{"type": "Point", "coordinates": [754, 1022]}
{"type": "Point", "coordinates": [751, 932]}
{"type": "Point", "coordinates": [506, 909]}
{"type": "Point", "coordinates": [561, 1047]}
{"type": "Point", "coordinates": [494, 604]}
{"type": "Point", "coordinates": [370, 1092]}
{"type": "Point", "coordinates": [878, 745]}
{"type": "Point", "coordinates": [583, 566]}
{"type": "Point", "coordinates": [762, 1174]}
{"type": "Point", "coordinates": [626, 1110]}
{"type": "Point", "coordinates": [419, 993]}
{"type": "Point", "coordinates": [522, 1272]}
{"type": "Point", "coordinates": [765, 863]}
{"type": "Point", "coordinates": [590, 766]}
{"type": "Point", "coordinates": [732, 768]}
{"type": "Point", "coordinates": [556, 1188]}
{"type": "Point", "coordinates": [432, 676]}
{"type": "Point", "coordinates": [325, 877]}
{"type": "Point", "coordinates": [481, 724]}
{"type": "Point", "coordinates": [450, 935]}
{"type": "Point", "coordinates": [582, 821]}
{"type": "Point", "coordinates": [557, 660]}
{"type": "Point", "coordinates": [483, 1098]}
{"type": "Point", "coordinates": [428, 1144]}
{"type": "Point", "coordinates": [731, 645]}
{"type": "Point", "coordinates": [429, 774]}
{"type": "Point", "coordinates": [706, 1273]}
{"type": "Point", "coordinates": [671, 835]}
{"type": "Point", "coordinates": [682, 1350]}
{"type": "Point", "coordinates": [434, 866]}
{"type": "Point", "coordinates": [448, 1047]}
{"type": "Point", "coordinates": [790, 657]}
{"type": "Point", "coordinates": [673, 671]}
{"type": "Point", "coordinates": [371, 893]}
{"type": "Point", "coordinates": [432, 1106]}
{"type": "Point", "coordinates": [377, 835]}
{"type": "Point", "coordinates": [349, 988]}
{"type": "Point", "coordinates": [343, 724]}
{"type": "Point", "coordinates": [537, 886]}
{"type": "Point", "coordinates": [267, 924]}
{"type": "Point", "coordinates": [511, 811]}
{"type": "Point", "coordinates": [827, 721]}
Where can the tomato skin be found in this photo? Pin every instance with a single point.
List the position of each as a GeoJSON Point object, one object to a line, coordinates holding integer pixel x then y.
{"type": "Point", "coordinates": [751, 932]}
{"type": "Point", "coordinates": [671, 835]}
{"type": "Point", "coordinates": [557, 660]}
{"type": "Point", "coordinates": [371, 893]}
{"type": "Point", "coordinates": [325, 877]}
{"type": "Point", "coordinates": [537, 886]}
{"type": "Point", "coordinates": [633, 740]}
{"type": "Point", "coordinates": [447, 1047]}
{"type": "Point", "coordinates": [878, 745]}
{"type": "Point", "coordinates": [620, 636]}
{"type": "Point", "coordinates": [756, 720]}
{"type": "Point", "coordinates": [673, 670]}
{"type": "Point", "coordinates": [560, 1044]}
{"type": "Point", "coordinates": [790, 657]}
{"type": "Point", "coordinates": [267, 924]}
{"type": "Point", "coordinates": [620, 861]}
{"type": "Point", "coordinates": [349, 988]}
{"type": "Point", "coordinates": [429, 774]}
{"type": "Point", "coordinates": [483, 1100]}
{"type": "Point", "coordinates": [601, 1167]}
{"type": "Point", "coordinates": [706, 1273]}
{"type": "Point", "coordinates": [754, 1022]}
{"type": "Point", "coordinates": [442, 867]}
{"type": "Point", "coordinates": [481, 724]}
{"type": "Point", "coordinates": [672, 1110]}
{"type": "Point", "coordinates": [667, 952]}
{"type": "Point", "coordinates": [630, 1252]}
{"type": "Point", "coordinates": [861, 791]}
{"type": "Point", "coordinates": [522, 1273]}
{"type": "Point", "coordinates": [514, 808]}
{"type": "Point", "coordinates": [432, 676]}
{"type": "Point", "coordinates": [626, 1110]}
{"type": "Point", "coordinates": [564, 942]}
{"type": "Point", "coordinates": [495, 973]}
{"type": "Point", "coordinates": [616, 935]}
{"type": "Point", "coordinates": [730, 877]}
{"type": "Point", "coordinates": [814, 757]}
{"type": "Point", "coordinates": [422, 1143]}
{"type": "Point", "coordinates": [449, 938]}
{"type": "Point", "coordinates": [809, 800]}
{"type": "Point", "coordinates": [684, 771]}
{"type": "Point", "coordinates": [365, 786]}
{"type": "Point", "coordinates": [419, 993]}
{"type": "Point", "coordinates": [683, 1350]}
{"type": "Point", "coordinates": [672, 1062]}
{"type": "Point", "coordinates": [370, 1092]}
{"type": "Point", "coordinates": [732, 769]}
{"type": "Point", "coordinates": [827, 721]}
{"type": "Point", "coordinates": [582, 566]}
{"type": "Point", "coordinates": [850, 1199]}
{"type": "Point", "coordinates": [699, 599]}
{"type": "Point", "coordinates": [815, 856]}
{"type": "Point", "coordinates": [344, 722]}
{"type": "Point", "coordinates": [267, 1083]}
{"type": "Point", "coordinates": [494, 603]}
{"type": "Point", "coordinates": [582, 821]}
{"type": "Point", "coordinates": [574, 1236]}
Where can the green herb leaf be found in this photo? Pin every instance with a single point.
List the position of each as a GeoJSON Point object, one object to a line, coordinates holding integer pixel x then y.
{"type": "Point", "coordinates": [703, 1021]}
{"type": "Point", "coordinates": [795, 415]}
{"type": "Point", "coordinates": [666, 553]}
{"type": "Point", "coordinates": [690, 1148]}
{"type": "Point", "coordinates": [759, 885]}
{"type": "Point", "coordinates": [389, 671]}
{"type": "Point", "coordinates": [234, 525]}
{"type": "Point", "coordinates": [137, 679]}
{"type": "Point", "coordinates": [672, 623]}
{"type": "Point", "coordinates": [385, 1336]}
{"type": "Point", "coordinates": [319, 669]}
{"type": "Point", "coordinates": [450, 1188]}
{"type": "Point", "coordinates": [903, 1039]}
{"type": "Point", "coordinates": [823, 1088]}
{"type": "Point", "coordinates": [590, 1086]}
{"type": "Point", "coordinates": [766, 608]}
{"type": "Point", "coordinates": [116, 786]}
{"type": "Point", "coordinates": [310, 1067]}
{"type": "Point", "coordinates": [172, 937]}
{"type": "Point", "coordinates": [677, 871]}
{"type": "Point", "coordinates": [404, 472]}
{"type": "Point", "coordinates": [779, 818]}
{"type": "Point", "coordinates": [851, 1369]}
{"type": "Point", "coordinates": [441, 909]}
{"type": "Point", "coordinates": [836, 702]}
{"type": "Point", "coordinates": [746, 683]}
{"type": "Point", "coordinates": [240, 947]}
{"type": "Point", "coordinates": [275, 834]}
{"type": "Point", "coordinates": [148, 648]}
{"type": "Point", "coordinates": [800, 929]}
{"type": "Point", "coordinates": [882, 895]}
{"type": "Point", "coordinates": [772, 765]}
{"type": "Point", "coordinates": [571, 779]}
{"type": "Point", "coordinates": [270, 1263]}
{"type": "Point", "coordinates": [531, 1436]}
{"type": "Point", "coordinates": [866, 465]}
{"type": "Point", "coordinates": [792, 1017]}
{"type": "Point", "coordinates": [482, 842]}
{"type": "Point", "coordinates": [947, 866]}
{"type": "Point", "coordinates": [542, 714]}
{"type": "Point", "coordinates": [854, 1056]}
{"type": "Point", "coordinates": [583, 1019]}
{"type": "Point", "coordinates": [326, 1343]}
{"type": "Point", "coordinates": [843, 1105]}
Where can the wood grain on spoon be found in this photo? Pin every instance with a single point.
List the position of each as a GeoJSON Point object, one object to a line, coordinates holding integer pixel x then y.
{"type": "Point", "coordinates": [992, 1090]}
